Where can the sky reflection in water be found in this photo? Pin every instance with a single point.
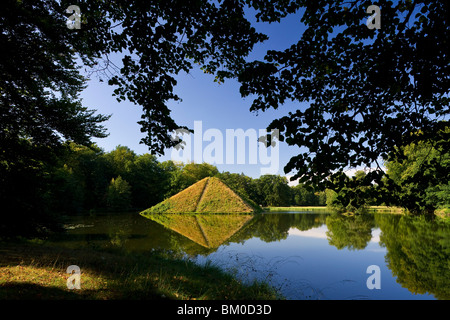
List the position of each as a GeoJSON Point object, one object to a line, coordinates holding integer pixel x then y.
{"type": "Point", "coordinates": [305, 255]}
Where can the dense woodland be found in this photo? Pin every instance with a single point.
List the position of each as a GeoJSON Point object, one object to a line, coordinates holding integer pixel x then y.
{"type": "Point", "coordinates": [86, 180]}
{"type": "Point", "coordinates": [374, 98]}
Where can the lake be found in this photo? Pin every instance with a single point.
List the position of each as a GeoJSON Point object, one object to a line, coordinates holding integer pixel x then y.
{"type": "Point", "coordinates": [304, 255]}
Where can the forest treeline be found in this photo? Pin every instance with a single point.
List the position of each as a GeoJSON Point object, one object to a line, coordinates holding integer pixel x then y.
{"type": "Point", "coordinates": [87, 179]}
{"type": "Point", "coordinates": [398, 114]}
{"type": "Point", "coordinates": [79, 179]}
{"type": "Point", "coordinates": [45, 185]}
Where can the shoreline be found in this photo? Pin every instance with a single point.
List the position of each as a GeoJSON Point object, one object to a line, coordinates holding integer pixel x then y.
{"type": "Point", "coordinates": [35, 270]}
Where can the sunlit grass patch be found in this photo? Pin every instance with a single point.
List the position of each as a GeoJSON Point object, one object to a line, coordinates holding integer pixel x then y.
{"type": "Point", "coordinates": [218, 198]}
{"type": "Point", "coordinates": [34, 282]}
{"type": "Point", "coordinates": [37, 271]}
{"type": "Point", "coordinates": [184, 201]}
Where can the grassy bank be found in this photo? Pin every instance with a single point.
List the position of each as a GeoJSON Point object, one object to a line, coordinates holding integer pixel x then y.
{"type": "Point", "coordinates": [377, 209]}
{"type": "Point", "coordinates": [38, 271]}
{"type": "Point", "coordinates": [385, 209]}
{"type": "Point", "coordinates": [296, 209]}
{"type": "Point", "coordinates": [443, 213]}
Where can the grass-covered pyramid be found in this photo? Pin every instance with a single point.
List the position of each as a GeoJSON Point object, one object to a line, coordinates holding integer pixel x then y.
{"type": "Point", "coordinates": [209, 195]}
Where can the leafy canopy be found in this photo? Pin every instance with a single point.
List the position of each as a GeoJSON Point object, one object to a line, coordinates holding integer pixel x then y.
{"type": "Point", "coordinates": [362, 92]}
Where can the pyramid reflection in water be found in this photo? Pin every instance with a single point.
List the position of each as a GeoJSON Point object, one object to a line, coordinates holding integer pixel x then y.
{"type": "Point", "coordinates": [208, 230]}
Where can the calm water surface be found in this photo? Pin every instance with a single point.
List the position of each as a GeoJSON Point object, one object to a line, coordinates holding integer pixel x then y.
{"type": "Point", "coordinates": [304, 255]}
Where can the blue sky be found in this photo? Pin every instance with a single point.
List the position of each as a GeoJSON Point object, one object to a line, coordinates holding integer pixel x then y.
{"type": "Point", "coordinates": [218, 106]}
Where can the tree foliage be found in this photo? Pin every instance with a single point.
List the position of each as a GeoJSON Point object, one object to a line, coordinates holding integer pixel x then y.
{"type": "Point", "coordinates": [273, 191]}
{"type": "Point", "coordinates": [419, 179]}
{"type": "Point", "coordinates": [421, 266]}
{"type": "Point", "coordinates": [302, 195]}
{"type": "Point", "coordinates": [118, 196]}
{"type": "Point", "coordinates": [39, 97]}
{"type": "Point", "coordinates": [354, 197]}
{"type": "Point", "coordinates": [363, 93]}
{"type": "Point", "coordinates": [39, 107]}
{"type": "Point", "coordinates": [160, 39]}
{"type": "Point", "coordinates": [367, 93]}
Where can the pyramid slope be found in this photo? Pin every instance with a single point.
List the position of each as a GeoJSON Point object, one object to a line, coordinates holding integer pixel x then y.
{"type": "Point", "coordinates": [183, 202]}
{"type": "Point", "coordinates": [218, 198]}
{"type": "Point", "coordinates": [209, 195]}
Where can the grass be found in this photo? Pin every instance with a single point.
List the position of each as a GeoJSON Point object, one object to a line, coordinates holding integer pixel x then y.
{"type": "Point", "coordinates": [209, 195]}
{"type": "Point", "coordinates": [376, 209]}
{"type": "Point", "coordinates": [385, 209]}
{"type": "Point", "coordinates": [38, 271]}
{"type": "Point", "coordinates": [183, 202]}
{"type": "Point", "coordinates": [299, 209]}
{"type": "Point", "coordinates": [219, 198]}
{"type": "Point", "coordinates": [443, 213]}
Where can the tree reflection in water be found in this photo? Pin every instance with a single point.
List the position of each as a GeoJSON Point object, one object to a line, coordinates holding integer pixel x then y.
{"type": "Point", "coordinates": [418, 253]}
{"type": "Point", "coordinates": [417, 248]}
